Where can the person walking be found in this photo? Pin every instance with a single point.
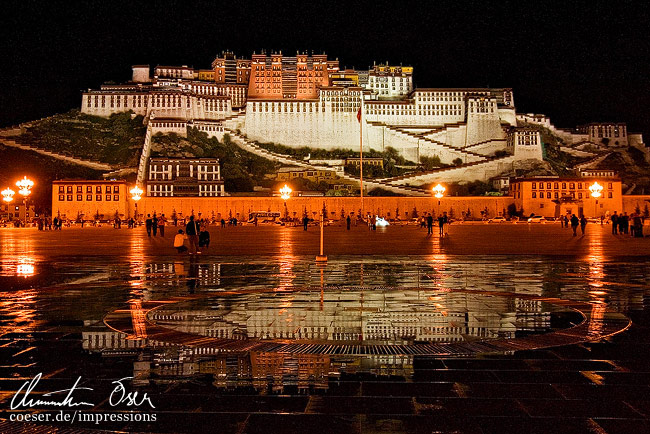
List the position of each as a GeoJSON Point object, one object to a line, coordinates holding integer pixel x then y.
{"type": "Point", "coordinates": [441, 223]}
{"type": "Point", "coordinates": [561, 221]}
{"type": "Point", "coordinates": [162, 221]}
{"type": "Point", "coordinates": [305, 222]}
{"type": "Point", "coordinates": [204, 238]}
{"type": "Point", "coordinates": [154, 224]}
{"type": "Point", "coordinates": [583, 225]}
{"type": "Point", "coordinates": [147, 224]}
{"type": "Point", "coordinates": [575, 221]}
{"type": "Point", "coordinates": [614, 219]}
{"type": "Point", "coordinates": [192, 229]}
{"type": "Point", "coordinates": [429, 224]}
{"type": "Point", "coordinates": [348, 222]}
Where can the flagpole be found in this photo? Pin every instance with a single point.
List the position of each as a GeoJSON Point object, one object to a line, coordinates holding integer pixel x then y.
{"type": "Point", "coordinates": [361, 150]}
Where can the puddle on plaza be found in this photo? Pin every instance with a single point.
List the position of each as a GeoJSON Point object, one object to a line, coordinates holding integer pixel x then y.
{"type": "Point", "coordinates": [353, 303]}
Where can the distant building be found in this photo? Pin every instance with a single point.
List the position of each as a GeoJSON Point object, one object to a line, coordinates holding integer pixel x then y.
{"type": "Point", "coordinates": [501, 183]}
{"type": "Point", "coordinates": [89, 200]}
{"type": "Point", "coordinates": [524, 143]}
{"type": "Point", "coordinates": [16, 211]}
{"type": "Point", "coordinates": [356, 161]}
{"type": "Point", "coordinates": [184, 177]}
{"type": "Point", "coordinates": [597, 173]}
{"type": "Point", "coordinates": [231, 69]}
{"type": "Point", "coordinates": [606, 133]}
{"type": "Point", "coordinates": [554, 196]}
{"type": "Point", "coordinates": [390, 81]}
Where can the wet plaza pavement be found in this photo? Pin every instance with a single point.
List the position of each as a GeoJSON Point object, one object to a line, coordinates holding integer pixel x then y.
{"type": "Point", "coordinates": [492, 329]}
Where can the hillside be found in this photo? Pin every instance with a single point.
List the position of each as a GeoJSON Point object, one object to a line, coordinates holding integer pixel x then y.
{"type": "Point", "coordinates": [116, 140]}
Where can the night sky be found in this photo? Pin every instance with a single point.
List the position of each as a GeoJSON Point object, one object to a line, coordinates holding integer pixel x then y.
{"type": "Point", "coordinates": [576, 62]}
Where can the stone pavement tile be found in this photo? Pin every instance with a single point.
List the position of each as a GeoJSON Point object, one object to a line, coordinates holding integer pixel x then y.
{"type": "Point", "coordinates": [343, 388]}
{"type": "Point", "coordinates": [369, 388]}
{"type": "Point", "coordinates": [469, 407]}
{"type": "Point", "coordinates": [428, 363]}
{"type": "Point", "coordinates": [621, 350]}
{"type": "Point", "coordinates": [418, 424]}
{"type": "Point", "coordinates": [577, 408]}
{"type": "Point", "coordinates": [624, 426]}
{"type": "Point", "coordinates": [604, 391]}
{"type": "Point", "coordinates": [641, 404]}
{"type": "Point", "coordinates": [454, 375]}
{"type": "Point", "coordinates": [632, 378]}
{"type": "Point", "coordinates": [570, 365]}
{"type": "Point", "coordinates": [365, 405]}
{"type": "Point", "coordinates": [541, 377]}
{"type": "Point", "coordinates": [265, 423]}
{"type": "Point", "coordinates": [488, 364]}
{"type": "Point", "coordinates": [508, 425]}
{"type": "Point", "coordinates": [508, 390]}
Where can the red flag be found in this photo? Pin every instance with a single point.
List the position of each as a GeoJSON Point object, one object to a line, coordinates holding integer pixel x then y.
{"type": "Point", "coordinates": [359, 115]}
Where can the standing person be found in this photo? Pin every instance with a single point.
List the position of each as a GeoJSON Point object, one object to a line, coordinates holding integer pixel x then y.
{"type": "Point", "coordinates": [614, 219]}
{"type": "Point", "coordinates": [154, 224]}
{"type": "Point", "coordinates": [223, 223]}
{"type": "Point", "coordinates": [161, 225]}
{"type": "Point", "coordinates": [575, 221]}
{"type": "Point", "coordinates": [566, 221]}
{"type": "Point", "coordinates": [56, 223]}
{"type": "Point", "coordinates": [561, 221]}
{"type": "Point", "coordinates": [305, 222]}
{"type": "Point", "coordinates": [179, 241]}
{"type": "Point", "coordinates": [624, 225]}
{"type": "Point", "coordinates": [348, 221]}
{"type": "Point", "coordinates": [441, 223]}
{"type": "Point", "coordinates": [429, 224]}
{"type": "Point", "coordinates": [192, 229]}
{"type": "Point", "coordinates": [147, 224]}
{"type": "Point", "coordinates": [583, 225]}
{"type": "Point", "coordinates": [638, 225]}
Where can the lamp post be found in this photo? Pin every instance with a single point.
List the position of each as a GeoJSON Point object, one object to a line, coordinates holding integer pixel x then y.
{"type": "Point", "coordinates": [321, 258]}
{"type": "Point", "coordinates": [136, 195]}
{"type": "Point", "coordinates": [285, 194]}
{"type": "Point", "coordinates": [438, 191]}
{"type": "Point", "coordinates": [596, 189]}
{"type": "Point", "coordinates": [25, 185]}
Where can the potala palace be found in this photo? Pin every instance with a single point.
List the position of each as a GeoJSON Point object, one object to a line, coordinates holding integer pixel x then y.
{"type": "Point", "coordinates": [308, 100]}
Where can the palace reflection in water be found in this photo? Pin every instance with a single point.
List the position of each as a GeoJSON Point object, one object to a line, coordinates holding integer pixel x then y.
{"type": "Point", "coordinates": [382, 303]}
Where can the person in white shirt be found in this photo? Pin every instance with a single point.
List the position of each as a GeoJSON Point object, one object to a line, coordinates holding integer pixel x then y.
{"type": "Point", "coordinates": [179, 241]}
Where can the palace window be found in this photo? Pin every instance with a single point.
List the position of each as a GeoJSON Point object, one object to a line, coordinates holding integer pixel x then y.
{"type": "Point", "coordinates": [98, 197]}
{"type": "Point", "coordinates": [89, 197]}
{"type": "Point", "coordinates": [61, 198]}
{"type": "Point", "coordinates": [79, 197]}
{"type": "Point", "coordinates": [89, 189]}
{"type": "Point", "coordinates": [534, 195]}
{"type": "Point", "coordinates": [61, 189]}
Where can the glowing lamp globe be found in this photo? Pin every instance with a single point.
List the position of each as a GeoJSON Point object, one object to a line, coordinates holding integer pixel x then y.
{"type": "Point", "coordinates": [8, 195]}
{"type": "Point", "coordinates": [25, 186]}
{"type": "Point", "coordinates": [595, 189]}
{"type": "Point", "coordinates": [285, 192]}
{"type": "Point", "coordinates": [439, 191]}
{"type": "Point", "coordinates": [136, 193]}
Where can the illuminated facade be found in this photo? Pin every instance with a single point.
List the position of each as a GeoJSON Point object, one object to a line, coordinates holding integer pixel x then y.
{"type": "Point", "coordinates": [555, 196]}
{"type": "Point", "coordinates": [89, 200]}
{"type": "Point", "coordinates": [184, 177]}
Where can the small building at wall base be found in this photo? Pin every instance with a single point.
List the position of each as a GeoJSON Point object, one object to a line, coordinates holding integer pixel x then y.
{"type": "Point", "coordinates": [553, 196]}
{"type": "Point", "coordinates": [184, 177]}
{"type": "Point", "coordinates": [89, 200]}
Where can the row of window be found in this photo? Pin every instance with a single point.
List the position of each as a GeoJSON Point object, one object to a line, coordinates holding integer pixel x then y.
{"type": "Point", "coordinates": [89, 198]}
{"type": "Point", "coordinates": [89, 189]}
{"type": "Point", "coordinates": [572, 185]}
{"type": "Point", "coordinates": [556, 195]}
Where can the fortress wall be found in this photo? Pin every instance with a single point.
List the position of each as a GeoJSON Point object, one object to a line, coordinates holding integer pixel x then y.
{"type": "Point", "coordinates": [383, 206]}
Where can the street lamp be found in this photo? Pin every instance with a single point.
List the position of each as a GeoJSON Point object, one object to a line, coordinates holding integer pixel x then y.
{"type": "Point", "coordinates": [285, 194]}
{"type": "Point", "coordinates": [595, 189]}
{"type": "Point", "coordinates": [8, 195]}
{"type": "Point", "coordinates": [439, 191]}
{"type": "Point", "coordinates": [25, 185]}
{"type": "Point", "coordinates": [136, 195]}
